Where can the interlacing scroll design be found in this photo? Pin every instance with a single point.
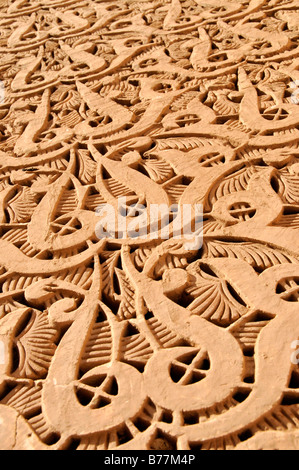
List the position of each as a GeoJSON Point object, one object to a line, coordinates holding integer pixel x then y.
{"type": "Point", "coordinates": [138, 343]}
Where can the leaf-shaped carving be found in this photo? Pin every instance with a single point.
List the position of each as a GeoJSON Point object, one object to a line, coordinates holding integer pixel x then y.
{"type": "Point", "coordinates": [247, 334]}
{"type": "Point", "coordinates": [289, 220]}
{"type": "Point", "coordinates": [98, 347]}
{"type": "Point", "coordinates": [93, 199]}
{"type": "Point", "coordinates": [181, 143]}
{"type": "Point", "coordinates": [35, 345]}
{"type": "Point", "coordinates": [158, 170]}
{"type": "Point", "coordinates": [135, 347]}
{"type": "Point", "coordinates": [128, 91]}
{"type": "Point", "coordinates": [65, 99]}
{"type": "Point", "coordinates": [127, 307]}
{"type": "Point", "coordinates": [26, 399]}
{"type": "Point", "coordinates": [15, 235]}
{"type": "Point", "coordinates": [225, 107]}
{"type": "Point", "coordinates": [235, 124]}
{"type": "Point", "coordinates": [182, 101]}
{"type": "Point", "coordinates": [108, 266]}
{"type": "Point", "coordinates": [257, 255]}
{"type": "Point", "coordinates": [21, 206]}
{"type": "Point", "coordinates": [210, 226]}
{"type": "Point", "coordinates": [164, 335]}
{"type": "Point", "coordinates": [175, 190]}
{"type": "Point", "coordinates": [42, 427]}
{"type": "Point", "coordinates": [237, 182]}
{"type": "Point", "coordinates": [80, 276]}
{"type": "Point", "coordinates": [252, 153]}
{"type": "Point", "coordinates": [289, 187]}
{"type": "Point", "coordinates": [69, 119]}
{"type": "Point", "coordinates": [141, 255]}
{"type": "Point", "coordinates": [214, 299]}
{"type": "Point", "coordinates": [18, 282]}
{"type": "Point", "coordinates": [67, 203]}
{"type": "Point", "coordinates": [87, 167]}
{"type": "Point", "coordinates": [118, 189]}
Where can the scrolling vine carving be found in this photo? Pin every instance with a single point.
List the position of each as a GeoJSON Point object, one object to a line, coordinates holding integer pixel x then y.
{"type": "Point", "coordinates": [121, 343]}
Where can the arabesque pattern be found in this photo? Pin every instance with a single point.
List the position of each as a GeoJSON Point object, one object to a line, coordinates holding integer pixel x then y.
{"type": "Point", "coordinates": [136, 343]}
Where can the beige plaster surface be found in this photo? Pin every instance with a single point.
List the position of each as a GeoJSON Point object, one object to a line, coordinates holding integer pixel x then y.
{"type": "Point", "coordinates": [144, 343]}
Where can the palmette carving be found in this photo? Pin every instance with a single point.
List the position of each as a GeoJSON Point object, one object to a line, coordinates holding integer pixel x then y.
{"type": "Point", "coordinates": [136, 343]}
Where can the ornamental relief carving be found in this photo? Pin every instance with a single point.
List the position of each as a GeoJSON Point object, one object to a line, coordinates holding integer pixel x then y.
{"type": "Point", "coordinates": [149, 342]}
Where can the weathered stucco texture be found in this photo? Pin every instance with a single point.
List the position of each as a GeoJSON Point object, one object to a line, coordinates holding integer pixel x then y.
{"type": "Point", "coordinates": [149, 342]}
